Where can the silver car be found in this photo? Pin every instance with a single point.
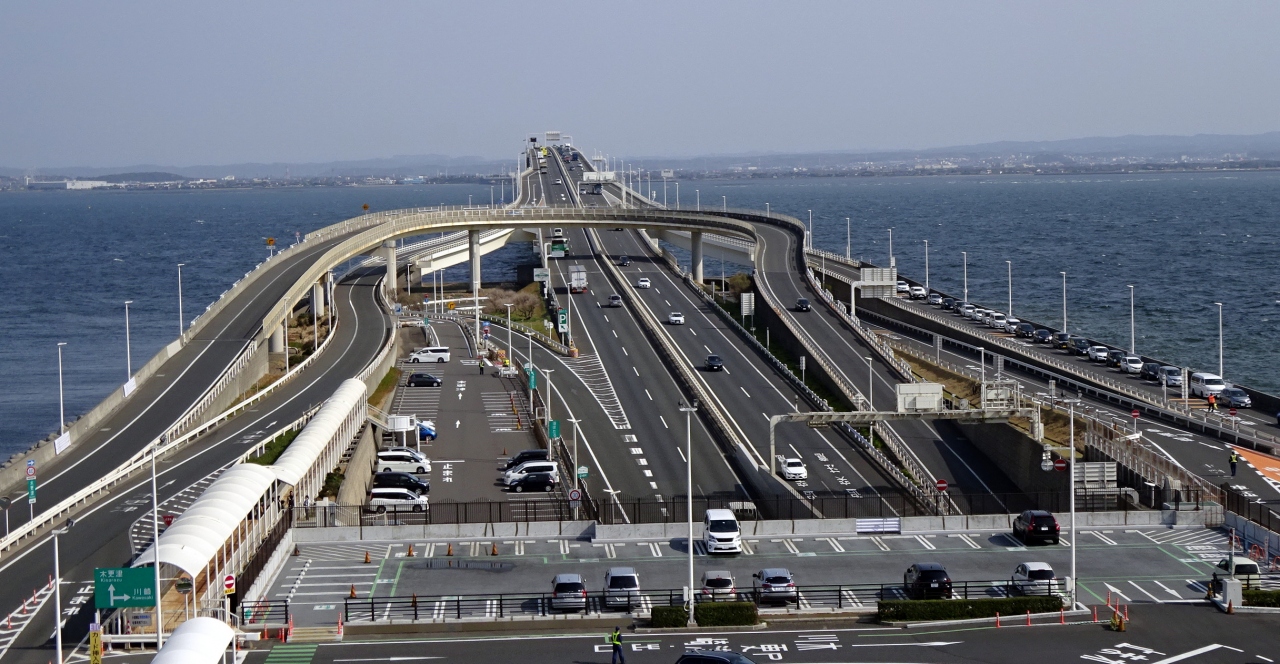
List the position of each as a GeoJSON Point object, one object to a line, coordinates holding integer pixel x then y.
{"type": "Point", "coordinates": [568, 593]}
{"type": "Point", "coordinates": [621, 587]}
{"type": "Point", "coordinates": [1169, 376]}
{"type": "Point", "coordinates": [718, 585]}
{"type": "Point", "coordinates": [774, 584]}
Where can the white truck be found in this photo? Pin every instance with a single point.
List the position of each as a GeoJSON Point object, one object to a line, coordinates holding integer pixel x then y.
{"type": "Point", "coordinates": [577, 279]}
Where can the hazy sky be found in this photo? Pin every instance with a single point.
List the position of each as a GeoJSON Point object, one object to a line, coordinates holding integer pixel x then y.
{"type": "Point", "coordinates": [118, 83]}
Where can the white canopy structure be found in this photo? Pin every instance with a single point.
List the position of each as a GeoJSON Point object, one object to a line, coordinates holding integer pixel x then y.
{"type": "Point", "coordinates": [197, 641]}
{"type": "Point", "coordinates": [299, 459]}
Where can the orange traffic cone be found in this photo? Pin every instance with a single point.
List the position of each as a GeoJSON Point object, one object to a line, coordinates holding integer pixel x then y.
{"type": "Point", "coordinates": [495, 550]}
{"type": "Point", "coordinates": [1230, 609]}
{"type": "Point", "coordinates": [450, 551]}
{"type": "Point", "coordinates": [353, 591]}
{"type": "Point", "coordinates": [366, 558]}
{"type": "Point", "coordinates": [415, 600]}
{"type": "Point", "coordinates": [504, 451]}
{"type": "Point", "coordinates": [410, 553]}
{"type": "Point", "coordinates": [296, 552]}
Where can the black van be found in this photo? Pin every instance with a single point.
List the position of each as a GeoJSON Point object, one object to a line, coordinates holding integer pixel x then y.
{"type": "Point", "coordinates": [394, 480]}
{"type": "Point", "coordinates": [526, 455]}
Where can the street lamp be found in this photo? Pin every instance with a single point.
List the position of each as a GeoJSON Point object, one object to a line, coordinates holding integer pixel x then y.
{"type": "Point", "coordinates": [155, 538]}
{"type": "Point", "coordinates": [574, 465]}
{"type": "Point", "coordinates": [890, 247]}
{"type": "Point", "coordinates": [62, 414]}
{"type": "Point", "coordinates": [1132, 326]}
{"type": "Point", "coordinates": [1220, 374]}
{"type": "Point", "coordinates": [511, 350]}
{"type": "Point", "coordinates": [181, 325]}
{"type": "Point", "coordinates": [766, 210]}
{"type": "Point", "coordinates": [57, 588]}
{"type": "Point", "coordinates": [1010, 264]}
{"type": "Point", "coordinates": [848, 240]}
{"type": "Point", "coordinates": [965, 254]}
{"type": "Point", "coordinates": [688, 444]}
{"type": "Point", "coordinates": [724, 204]}
{"type": "Point", "coordinates": [697, 199]}
{"type": "Point", "coordinates": [1064, 302]}
{"type": "Point", "coordinates": [550, 397]}
{"type": "Point", "coordinates": [926, 266]}
{"type": "Point", "coordinates": [871, 386]}
{"type": "Point", "coordinates": [128, 352]}
{"type": "Point", "coordinates": [808, 240]}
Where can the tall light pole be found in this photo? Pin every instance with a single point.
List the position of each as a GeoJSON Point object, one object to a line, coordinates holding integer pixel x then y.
{"type": "Point", "coordinates": [1064, 302]}
{"type": "Point", "coordinates": [926, 266]}
{"type": "Point", "coordinates": [890, 247]}
{"type": "Point", "coordinates": [128, 352]}
{"type": "Point", "coordinates": [767, 212]}
{"type": "Point", "coordinates": [1220, 374]}
{"type": "Point", "coordinates": [848, 239]}
{"type": "Point", "coordinates": [62, 413]}
{"type": "Point", "coordinates": [550, 398]}
{"type": "Point", "coordinates": [511, 350]}
{"type": "Point", "coordinates": [1010, 264]}
{"type": "Point", "coordinates": [724, 204]}
{"type": "Point", "coordinates": [871, 385]}
{"type": "Point", "coordinates": [155, 539]}
{"type": "Point", "coordinates": [574, 466]}
{"type": "Point", "coordinates": [688, 446]}
{"type": "Point", "coordinates": [181, 324]}
{"type": "Point", "coordinates": [965, 255]}
{"type": "Point", "coordinates": [1133, 342]}
{"type": "Point", "coordinates": [697, 200]}
{"type": "Point", "coordinates": [57, 589]}
{"type": "Point", "coordinates": [1071, 487]}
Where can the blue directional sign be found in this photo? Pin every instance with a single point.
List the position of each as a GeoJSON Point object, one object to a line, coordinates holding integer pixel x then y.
{"type": "Point", "coordinates": [119, 587]}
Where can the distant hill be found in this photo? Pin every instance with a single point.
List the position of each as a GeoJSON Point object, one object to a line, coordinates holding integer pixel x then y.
{"type": "Point", "coordinates": [153, 176]}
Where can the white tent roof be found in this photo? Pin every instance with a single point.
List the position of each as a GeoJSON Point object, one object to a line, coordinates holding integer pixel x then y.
{"type": "Point", "coordinates": [310, 443]}
{"type": "Point", "coordinates": [195, 537]}
{"type": "Point", "coordinates": [196, 641]}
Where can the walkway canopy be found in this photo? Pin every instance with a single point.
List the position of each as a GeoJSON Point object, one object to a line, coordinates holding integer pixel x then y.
{"type": "Point", "coordinates": [300, 457]}
{"type": "Point", "coordinates": [197, 641]}
{"type": "Point", "coordinates": [195, 538]}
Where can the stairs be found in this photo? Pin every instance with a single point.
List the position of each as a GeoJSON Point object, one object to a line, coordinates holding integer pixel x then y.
{"type": "Point", "coordinates": [314, 634]}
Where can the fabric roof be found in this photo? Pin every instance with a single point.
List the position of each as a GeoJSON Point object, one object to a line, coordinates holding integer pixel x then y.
{"type": "Point", "coordinates": [302, 453]}
{"type": "Point", "coordinates": [196, 641]}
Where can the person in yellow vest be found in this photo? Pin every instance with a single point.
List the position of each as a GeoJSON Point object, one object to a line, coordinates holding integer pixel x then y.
{"type": "Point", "coordinates": [615, 639]}
{"type": "Point", "coordinates": [1233, 459]}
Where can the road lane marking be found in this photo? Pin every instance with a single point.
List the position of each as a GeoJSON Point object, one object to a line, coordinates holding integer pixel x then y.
{"type": "Point", "coordinates": [744, 391]}
{"type": "Point", "coordinates": [927, 544]}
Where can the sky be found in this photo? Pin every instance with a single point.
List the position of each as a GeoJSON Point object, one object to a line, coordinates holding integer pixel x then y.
{"type": "Point", "coordinates": [120, 83]}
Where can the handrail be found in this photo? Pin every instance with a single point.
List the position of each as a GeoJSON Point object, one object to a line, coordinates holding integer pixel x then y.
{"type": "Point", "coordinates": [525, 329]}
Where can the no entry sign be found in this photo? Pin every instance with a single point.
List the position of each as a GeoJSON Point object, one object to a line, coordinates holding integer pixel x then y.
{"type": "Point", "coordinates": [1059, 464]}
{"type": "Point", "coordinates": [942, 485]}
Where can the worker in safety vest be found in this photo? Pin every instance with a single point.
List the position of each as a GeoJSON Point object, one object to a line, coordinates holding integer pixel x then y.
{"type": "Point", "coordinates": [615, 640]}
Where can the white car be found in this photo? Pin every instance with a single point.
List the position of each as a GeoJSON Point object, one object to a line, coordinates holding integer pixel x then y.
{"type": "Point", "coordinates": [903, 287]}
{"type": "Point", "coordinates": [403, 461]}
{"type": "Point", "coordinates": [996, 320]}
{"type": "Point", "coordinates": [643, 283]}
{"type": "Point", "coordinates": [918, 293]}
{"type": "Point", "coordinates": [515, 474]}
{"type": "Point", "coordinates": [793, 469]}
{"type": "Point", "coordinates": [1098, 353]}
{"type": "Point", "coordinates": [1033, 579]}
{"type": "Point", "coordinates": [398, 499]}
{"type": "Point", "coordinates": [675, 318]}
{"type": "Point", "coordinates": [1203, 384]}
{"type": "Point", "coordinates": [1011, 325]}
{"type": "Point", "coordinates": [1131, 364]}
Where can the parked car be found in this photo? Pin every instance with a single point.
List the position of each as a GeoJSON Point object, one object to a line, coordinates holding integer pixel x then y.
{"type": "Point", "coordinates": [621, 587]}
{"type": "Point", "coordinates": [935, 299]}
{"type": "Point", "coordinates": [1033, 579]}
{"type": "Point", "coordinates": [1170, 376]}
{"type": "Point", "coordinates": [1246, 570]}
{"type": "Point", "coordinates": [1079, 346]}
{"type": "Point", "coordinates": [1234, 397]}
{"type": "Point", "coordinates": [395, 480]}
{"type": "Point", "coordinates": [919, 293]}
{"type": "Point", "coordinates": [948, 303]}
{"type": "Point", "coordinates": [422, 380]}
{"type": "Point", "coordinates": [718, 585]}
{"type": "Point", "coordinates": [1061, 340]}
{"type": "Point", "coordinates": [1131, 364]}
{"type": "Point", "coordinates": [644, 282]}
{"type": "Point", "coordinates": [927, 581]}
{"type": "Point", "coordinates": [1011, 325]}
{"type": "Point", "coordinates": [1041, 336]}
{"type": "Point", "coordinates": [1115, 358]}
{"type": "Point", "coordinates": [531, 482]}
{"type": "Point", "coordinates": [802, 304]}
{"type": "Point", "coordinates": [512, 476]}
{"type": "Point", "coordinates": [966, 310]}
{"type": "Point", "coordinates": [614, 302]}
{"type": "Point", "coordinates": [675, 318]}
{"type": "Point", "coordinates": [793, 469]}
{"type": "Point", "coordinates": [439, 354]}
{"type": "Point", "coordinates": [774, 584]}
{"type": "Point", "coordinates": [624, 261]}
{"type": "Point", "coordinates": [1034, 525]}
{"type": "Point", "coordinates": [403, 461]}
{"type": "Point", "coordinates": [398, 499]}
{"type": "Point", "coordinates": [523, 456]}
{"type": "Point", "coordinates": [996, 320]}
{"type": "Point", "coordinates": [1098, 353]}
{"type": "Point", "coordinates": [1203, 384]}
{"type": "Point", "coordinates": [696, 656]}
{"type": "Point", "coordinates": [568, 593]}
{"type": "Point", "coordinates": [1149, 371]}
{"type": "Point", "coordinates": [903, 287]}
{"type": "Point", "coordinates": [720, 532]}
{"type": "Point", "coordinates": [714, 363]}
{"type": "Point", "coordinates": [1026, 331]}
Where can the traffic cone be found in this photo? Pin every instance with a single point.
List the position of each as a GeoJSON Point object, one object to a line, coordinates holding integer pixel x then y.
{"type": "Point", "coordinates": [415, 600]}
{"type": "Point", "coordinates": [504, 451]}
{"type": "Point", "coordinates": [450, 551]}
{"type": "Point", "coordinates": [997, 618]}
{"type": "Point", "coordinates": [1230, 609]}
{"type": "Point", "coordinates": [366, 558]}
{"type": "Point", "coordinates": [1062, 616]}
{"type": "Point", "coordinates": [410, 553]}
{"type": "Point", "coordinates": [353, 591]}
{"type": "Point", "coordinates": [1028, 618]}
{"type": "Point", "coordinates": [495, 549]}
{"type": "Point", "coordinates": [296, 552]}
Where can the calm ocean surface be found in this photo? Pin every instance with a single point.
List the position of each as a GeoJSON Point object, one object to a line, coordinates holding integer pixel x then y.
{"type": "Point", "coordinates": [1185, 241]}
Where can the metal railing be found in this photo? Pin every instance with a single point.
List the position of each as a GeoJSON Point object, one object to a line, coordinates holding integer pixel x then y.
{"type": "Point", "coordinates": [541, 338]}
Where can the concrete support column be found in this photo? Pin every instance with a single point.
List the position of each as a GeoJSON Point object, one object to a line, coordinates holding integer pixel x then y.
{"type": "Point", "coordinates": [276, 343]}
{"type": "Point", "coordinates": [695, 247]}
{"type": "Point", "coordinates": [473, 242]}
{"type": "Point", "coordinates": [317, 299]}
{"type": "Point", "coordinates": [389, 252]}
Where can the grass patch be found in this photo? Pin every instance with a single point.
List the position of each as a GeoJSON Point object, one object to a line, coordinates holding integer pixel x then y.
{"type": "Point", "coordinates": [961, 609]}
{"type": "Point", "coordinates": [332, 482]}
{"type": "Point", "coordinates": [385, 387]}
{"type": "Point", "coordinates": [275, 448]}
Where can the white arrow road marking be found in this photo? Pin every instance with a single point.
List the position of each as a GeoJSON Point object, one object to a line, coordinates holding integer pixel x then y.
{"type": "Point", "coordinates": [1117, 591]}
{"type": "Point", "coordinates": [457, 424]}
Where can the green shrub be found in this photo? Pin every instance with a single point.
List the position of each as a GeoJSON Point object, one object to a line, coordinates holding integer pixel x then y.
{"type": "Point", "coordinates": [1262, 598]}
{"type": "Point", "coordinates": [725, 614]}
{"type": "Point", "coordinates": [272, 450]}
{"type": "Point", "coordinates": [960, 609]}
{"type": "Point", "coordinates": [668, 616]}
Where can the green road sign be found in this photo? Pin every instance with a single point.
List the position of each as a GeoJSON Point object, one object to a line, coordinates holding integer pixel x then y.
{"type": "Point", "coordinates": [31, 490]}
{"type": "Point", "coordinates": [582, 472]}
{"type": "Point", "coordinates": [533, 379]}
{"type": "Point", "coordinates": [562, 320]}
{"type": "Point", "coordinates": [553, 428]}
{"type": "Point", "coordinates": [119, 587]}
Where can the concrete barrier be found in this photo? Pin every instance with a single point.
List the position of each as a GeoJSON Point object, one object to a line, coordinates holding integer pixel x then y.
{"type": "Point", "coordinates": [446, 531]}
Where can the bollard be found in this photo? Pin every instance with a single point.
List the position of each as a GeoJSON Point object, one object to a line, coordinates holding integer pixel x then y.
{"type": "Point", "coordinates": [1126, 613]}
{"type": "Point", "coordinates": [997, 618]}
{"type": "Point", "coordinates": [339, 625]}
{"type": "Point", "coordinates": [1062, 616]}
{"type": "Point", "coordinates": [1028, 618]}
{"type": "Point", "coordinates": [1095, 613]}
{"type": "Point", "coordinates": [410, 553]}
{"type": "Point", "coordinates": [1108, 596]}
{"type": "Point", "coordinates": [450, 551]}
{"type": "Point", "coordinates": [366, 558]}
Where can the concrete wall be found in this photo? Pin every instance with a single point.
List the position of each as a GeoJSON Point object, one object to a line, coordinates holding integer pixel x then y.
{"type": "Point", "coordinates": [1016, 455]}
{"type": "Point", "coordinates": [359, 473]}
{"type": "Point", "coordinates": [456, 531]}
{"type": "Point", "coordinates": [1253, 534]}
{"type": "Point", "coordinates": [268, 574]}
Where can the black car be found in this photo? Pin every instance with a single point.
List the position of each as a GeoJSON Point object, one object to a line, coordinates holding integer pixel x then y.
{"type": "Point", "coordinates": [927, 581]}
{"type": "Point", "coordinates": [392, 480]}
{"type": "Point", "coordinates": [1114, 357]}
{"type": "Point", "coordinates": [714, 363]}
{"type": "Point", "coordinates": [624, 260]}
{"type": "Point", "coordinates": [534, 482]}
{"type": "Point", "coordinates": [1034, 525]}
{"type": "Point", "coordinates": [712, 657]}
{"type": "Point", "coordinates": [1042, 336]}
{"type": "Point", "coordinates": [1061, 340]}
{"type": "Point", "coordinates": [422, 380]}
{"type": "Point", "coordinates": [948, 303]}
{"type": "Point", "coordinates": [802, 304]}
{"type": "Point", "coordinates": [1025, 330]}
{"type": "Point", "coordinates": [1079, 346]}
{"type": "Point", "coordinates": [526, 455]}
{"type": "Point", "coordinates": [1150, 371]}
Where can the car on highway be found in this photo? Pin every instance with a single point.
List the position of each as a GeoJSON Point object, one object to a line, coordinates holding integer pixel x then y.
{"type": "Point", "coordinates": [903, 287]}
{"type": "Point", "coordinates": [697, 656]}
{"type": "Point", "coordinates": [438, 354]}
{"type": "Point", "coordinates": [1234, 397]}
{"type": "Point", "coordinates": [1026, 331]}
{"type": "Point", "coordinates": [624, 261]}
{"type": "Point", "coordinates": [793, 469]}
{"type": "Point", "coordinates": [948, 303]}
{"type": "Point", "coordinates": [403, 461]}
{"type": "Point", "coordinates": [644, 282]}
{"type": "Point", "coordinates": [395, 480]}
{"type": "Point", "coordinates": [615, 301]}
{"type": "Point", "coordinates": [1203, 384]}
{"type": "Point", "coordinates": [774, 584]}
{"type": "Point", "coordinates": [966, 310]}
{"type": "Point", "coordinates": [1149, 371]}
{"type": "Point", "coordinates": [1115, 358]}
{"type": "Point", "coordinates": [1011, 325]}
{"type": "Point", "coordinates": [720, 532]}
{"type": "Point", "coordinates": [927, 581]}
{"type": "Point", "coordinates": [557, 232]}
{"type": "Point", "coordinates": [1032, 525]}
{"type": "Point", "coordinates": [532, 482]}
{"type": "Point", "coordinates": [1061, 340]}
{"type": "Point", "coordinates": [621, 587]}
{"type": "Point", "coordinates": [919, 293]}
{"type": "Point", "coordinates": [1170, 376]}
{"type": "Point", "coordinates": [1042, 336]}
{"type": "Point", "coordinates": [802, 304]}
{"type": "Point", "coordinates": [1131, 364]}
{"type": "Point", "coordinates": [675, 318]}
{"type": "Point", "coordinates": [718, 585]}
{"type": "Point", "coordinates": [996, 320]}
{"type": "Point", "coordinates": [422, 380]}
{"type": "Point", "coordinates": [1033, 579]}
{"type": "Point", "coordinates": [397, 499]}
{"type": "Point", "coordinates": [935, 299]}
{"type": "Point", "coordinates": [523, 456]}
{"type": "Point", "coordinates": [568, 593]}
{"type": "Point", "coordinates": [1098, 353]}
{"type": "Point", "coordinates": [1078, 346]}
{"type": "Point", "coordinates": [515, 474]}
{"type": "Point", "coordinates": [559, 181]}
{"type": "Point", "coordinates": [713, 363]}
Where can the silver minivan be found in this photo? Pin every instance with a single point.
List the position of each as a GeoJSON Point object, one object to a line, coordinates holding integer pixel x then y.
{"type": "Point", "coordinates": [1203, 384]}
{"type": "Point", "coordinates": [621, 587]}
{"type": "Point", "coordinates": [515, 474]}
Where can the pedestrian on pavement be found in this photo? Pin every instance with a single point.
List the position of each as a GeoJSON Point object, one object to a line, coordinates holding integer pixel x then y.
{"type": "Point", "coordinates": [306, 504]}
{"type": "Point", "coordinates": [1234, 459]}
{"type": "Point", "coordinates": [616, 640]}
{"type": "Point", "coordinates": [1213, 403]}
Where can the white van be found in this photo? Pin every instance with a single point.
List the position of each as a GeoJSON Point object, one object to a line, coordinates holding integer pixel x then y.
{"type": "Point", "coordinates": [720, 532]}
{"type": "Point", "coordinates": [398, 499]}
{"type": "Point", "coordinates": [515, 474]}
{"type": "Point", "coordinates": [403, 461]}
{"type": "Point", "coordinates": [996, 320]}
{"type": "Point", "coordinates": [438, 354]}
{"type": "Point", "coordinates": [1203, 384]}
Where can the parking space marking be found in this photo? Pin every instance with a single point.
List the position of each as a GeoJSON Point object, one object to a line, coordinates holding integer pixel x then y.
{"type": "Point", "coordinates": [880, 543]}
{"type": "Point", "coordinates": [699, 548]}
{"type": "Point", "coordinates": [1144, 592]}
{"type": "Point", "coordinates": [926, 543]}
{"type": "Point", "coordinates": [1169, 590]}
{"type": "Point", "coordinates": [1100, 536]}
{"type": "Point", "coordinates": [965, 538]}
{"type": "Point", "coordinates": [834, 544]}
{"type": "Point", "coordinates": [746, 548]}
{"type": "Point", "coordinates": [655, 548]}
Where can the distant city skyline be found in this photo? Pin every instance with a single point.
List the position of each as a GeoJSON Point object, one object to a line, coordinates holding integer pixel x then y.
{"type": "Point", "coordinates": [141, 83]}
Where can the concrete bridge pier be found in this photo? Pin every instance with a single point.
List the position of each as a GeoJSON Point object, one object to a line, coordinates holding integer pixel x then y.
{"type": "Point", "coordinates": [389, 252]}
{"type": "Point", "coordinates": [276, 343]}
{"type": "Point", "coordinates": [695, 242]}
{"type": "Point", "coordinates": [317, 298]}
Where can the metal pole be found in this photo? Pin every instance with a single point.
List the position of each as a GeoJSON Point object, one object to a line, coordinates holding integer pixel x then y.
{"type": "Point", "coordinates": [128, 352]}
{"type": "Point", "coordinates": [926, 267]}
{"type": "Point", "coordinates": [1071, 486]}
{"type": "Point", "coordinates": [890, 247]}
{"type": "Point", "coordinates": [550, 396]}
{"type": "Point", "coordinates": [57, 597]}
{"type": "Point", "coordinates": [965, 254]}
{"type": "Point", "coordinates": [724, 204]}
{"type": "Point", "coordinates": [688, 444]}
{"type": "Point", "coordinates": [511, 350]}
{"type": "Point", "coordinates": [871, 385]}
{"type": "Point", "coordinates": [155, 539]}
{"type": "Point", "coordinates": [1132, 326]}
{"type": "Point", "coordinates": [773, 450]}
{"type": "Point", "coordinates": [848, 242]}
{"type": "Point", "coordinates": [181, 324]}
{"type": "Point", "coordinates": [1010, 264]}
{"type": "Point", "coordinates": [808, 240]}
{"type": "Point", "coordinates": [1220, 374]}
{"type": "Point", "coordinates": [697, 200]}
{"type": "Point", "coordinates": [574, 466]}
{"type": "Point", "coordinates": [62, 414]}
{"type": "Point", "coordinates": [1064, 301]}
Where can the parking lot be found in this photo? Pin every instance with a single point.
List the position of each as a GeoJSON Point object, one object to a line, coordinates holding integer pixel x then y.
{"type": "Point", "coordinates": [1131, 565]}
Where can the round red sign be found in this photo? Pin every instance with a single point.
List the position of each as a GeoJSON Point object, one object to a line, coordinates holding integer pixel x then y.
{"type": "Point", "coordinates": [1232, 412]}
{"type": "Point", "coordinates": [1135, 414]}
{"type": "Point", "coordinates": [229, 582]}
{"type": "Point", "coordinates": [942, 485]}
{"type": "Point", "coordinates": [1060, 464]}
